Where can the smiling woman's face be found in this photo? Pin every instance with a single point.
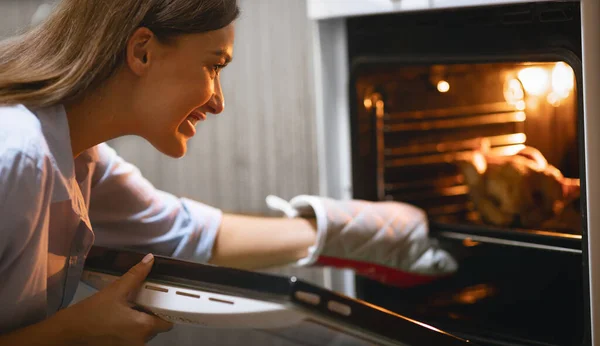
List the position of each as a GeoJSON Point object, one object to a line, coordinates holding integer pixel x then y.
{"type": "Point", "coordinates": [177, 85]}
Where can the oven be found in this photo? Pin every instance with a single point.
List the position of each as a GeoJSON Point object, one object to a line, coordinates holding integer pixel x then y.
{"type": "Point", "coordinates": [410, 97]}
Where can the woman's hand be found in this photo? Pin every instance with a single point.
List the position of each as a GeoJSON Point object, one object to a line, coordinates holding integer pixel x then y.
{"type": "Point", "coordinates": [386, 241]}
{"type": "Point", "coordinates": [109, 318]}
{"type": "Point", "coordinates": [106, 318]}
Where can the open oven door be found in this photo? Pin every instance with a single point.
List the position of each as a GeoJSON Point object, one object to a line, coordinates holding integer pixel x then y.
{"type": "Point", "coordinates": [283, 310]}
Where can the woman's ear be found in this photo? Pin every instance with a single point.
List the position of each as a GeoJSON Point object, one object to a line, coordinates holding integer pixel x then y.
{"type": "Point", "coordinates": [138, 51]}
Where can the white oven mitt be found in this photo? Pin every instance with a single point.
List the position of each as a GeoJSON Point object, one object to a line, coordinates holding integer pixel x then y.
{"type": "Point", "coordinates": [387, 241]}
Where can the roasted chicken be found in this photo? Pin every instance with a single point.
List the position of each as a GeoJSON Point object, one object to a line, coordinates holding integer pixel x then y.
{"type": "Point", "coordinates": [521, 190]}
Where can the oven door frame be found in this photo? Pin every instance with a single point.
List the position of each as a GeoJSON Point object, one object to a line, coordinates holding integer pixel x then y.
{"type": "Point", "coordinates": [590, 40]}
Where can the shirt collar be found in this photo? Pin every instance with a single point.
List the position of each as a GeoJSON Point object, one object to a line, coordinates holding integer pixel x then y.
{"type": "Point", "coordinates": [55, 127]}
{"type": "Point", "coordinates": [56, 131]}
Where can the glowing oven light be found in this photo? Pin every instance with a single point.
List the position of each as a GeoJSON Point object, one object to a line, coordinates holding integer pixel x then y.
{"type": "Point", "coordinates": [554, 99]}
{"type": "Point", "coordinates": [562, 80]}
{"type": "Point", "coordinates": [535, 80]}
{"type": "Point", "coordinates": [554, 85]}
{"type": "Point", "coordinates": [443, 86]}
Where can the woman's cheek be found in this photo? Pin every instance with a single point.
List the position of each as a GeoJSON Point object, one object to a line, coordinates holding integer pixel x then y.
{"type": "Point", "coordinates": [205, 92]}
{"type": "Point", "coordinates": [209, 85]}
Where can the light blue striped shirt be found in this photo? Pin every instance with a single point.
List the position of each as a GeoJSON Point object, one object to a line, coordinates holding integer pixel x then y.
{"type": "Point", "coordinates": [53, 208]}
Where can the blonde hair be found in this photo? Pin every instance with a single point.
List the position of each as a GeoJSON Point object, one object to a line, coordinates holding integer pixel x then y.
{"type": "Point", "coordinates": [83, 42]}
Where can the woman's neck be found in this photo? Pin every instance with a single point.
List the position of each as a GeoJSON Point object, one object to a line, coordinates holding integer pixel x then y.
{"type": "Point", "coordinates": [98, 117]}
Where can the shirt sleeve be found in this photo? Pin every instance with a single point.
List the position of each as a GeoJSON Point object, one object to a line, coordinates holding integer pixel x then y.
{"type": "Point", "coordinates": [126, 211]}
{"type": "Point", "coordinates": [24, 202]}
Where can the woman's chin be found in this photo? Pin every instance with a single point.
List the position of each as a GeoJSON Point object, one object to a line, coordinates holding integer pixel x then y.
{"type": "Point", "coordinates": [175, 148]}
{"type": "Point", "coordinates": [177, 154]}
{"type": "Point", "coordinates": [177, 151]}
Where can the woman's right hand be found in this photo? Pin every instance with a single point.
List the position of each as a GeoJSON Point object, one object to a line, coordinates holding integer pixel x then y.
{"type": "Point", "coordinates": [109, 318]}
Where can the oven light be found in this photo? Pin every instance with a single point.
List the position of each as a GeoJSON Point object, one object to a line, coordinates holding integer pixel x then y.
{"type": "Point", "coordinates": [443, 86]}
{"type": "Point", "coordinates": [562, 80]}
{"type": "Point", "coordinates": [535, 80]}
{"type": "Point", "coordinates": [554, 99]}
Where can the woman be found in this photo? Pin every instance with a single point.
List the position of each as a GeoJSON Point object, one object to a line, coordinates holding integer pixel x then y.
{"type": "Point", "coordinates": [97, 70]}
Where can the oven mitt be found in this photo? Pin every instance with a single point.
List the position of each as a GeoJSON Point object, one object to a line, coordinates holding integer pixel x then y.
{"type": "Point", "coordinates": [386, 241]}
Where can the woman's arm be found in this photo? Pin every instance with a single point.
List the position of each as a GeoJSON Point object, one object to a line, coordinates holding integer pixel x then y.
{"type": "Point", "coordinates": [52, 331]}
{"type": "Point", "coordinates": [127, 211]}
{"type": "Point", "coordinates": [251, 242]}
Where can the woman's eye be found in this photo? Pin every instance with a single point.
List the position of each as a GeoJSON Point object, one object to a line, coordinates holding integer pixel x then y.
{"type": "Point", "coordinates": [218, 68]}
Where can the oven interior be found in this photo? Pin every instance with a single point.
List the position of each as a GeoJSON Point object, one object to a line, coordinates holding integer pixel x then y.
{"type": "Point", "coordinates": [424, 120]}
{"type": "Point", "coordinates": [431, 95]}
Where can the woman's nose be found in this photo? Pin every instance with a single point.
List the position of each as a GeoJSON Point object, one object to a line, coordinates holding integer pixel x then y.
{"type": "Point", "coordinates": [217, 102]}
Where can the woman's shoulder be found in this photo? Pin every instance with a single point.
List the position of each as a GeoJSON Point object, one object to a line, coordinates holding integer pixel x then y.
{"type": "Point", "coordinates": [19, 117]}
{"type": "Point", "coordinates": [21, 133]}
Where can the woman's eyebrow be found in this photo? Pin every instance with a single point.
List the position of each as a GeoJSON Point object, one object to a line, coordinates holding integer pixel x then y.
{"type": "Point", "coordinates": [223, 53]}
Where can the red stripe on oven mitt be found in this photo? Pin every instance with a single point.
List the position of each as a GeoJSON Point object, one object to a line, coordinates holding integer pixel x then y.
{"type": "Point", "coordinates": [383, 274]}
{"type": "Point", "coordinates": [387, 241]}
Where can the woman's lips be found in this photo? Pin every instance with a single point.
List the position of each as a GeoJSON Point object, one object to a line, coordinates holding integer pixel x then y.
{"type": "Point", "coordinates": [195, 117]}
{"type": "Point", "coordinates": [188, 127]}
